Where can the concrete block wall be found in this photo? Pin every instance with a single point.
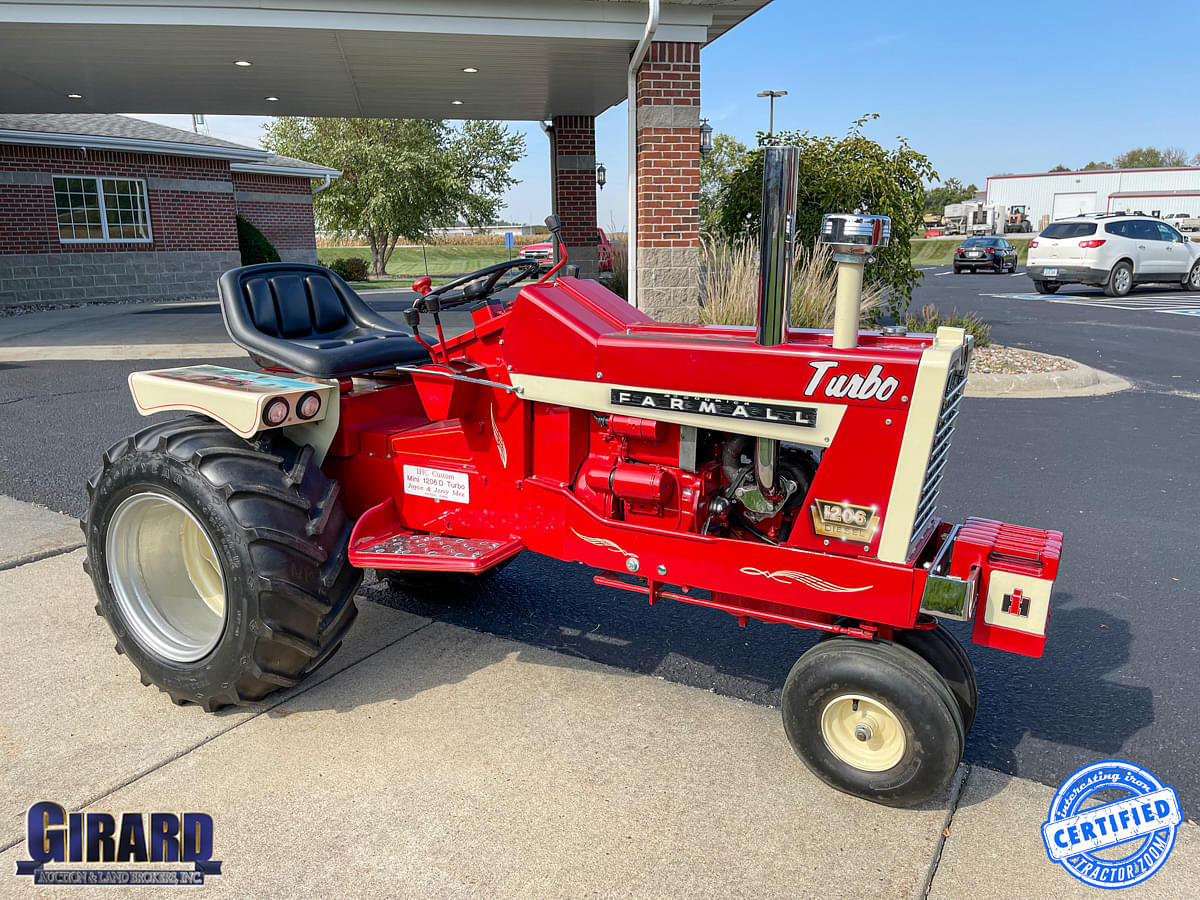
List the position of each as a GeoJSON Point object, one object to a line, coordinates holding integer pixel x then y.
{"type": "Point", "coordinates": [668, 172]}
{"type": "Point", "coordinates": [85, 277]}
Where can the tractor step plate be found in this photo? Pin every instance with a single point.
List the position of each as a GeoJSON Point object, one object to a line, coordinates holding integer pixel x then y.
{"type": "Point", "coordinates": [434, 553]}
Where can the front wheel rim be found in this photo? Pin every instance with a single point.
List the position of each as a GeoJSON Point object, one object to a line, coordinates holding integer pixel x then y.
{"type": "Point", "coordinates": [863, 732]}
{"type": "Point", "coordinates": [1194, 278]}
{"type": "Point", "coordinates": [166, 577]}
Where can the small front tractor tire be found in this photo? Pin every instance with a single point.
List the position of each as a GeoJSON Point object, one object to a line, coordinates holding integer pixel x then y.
{"type": "Point", "coordinates": [941, 649]}
{"type": "Point", "coordinates": [873, 719]}
{"type": "Point", "coordinates": [220, 565]}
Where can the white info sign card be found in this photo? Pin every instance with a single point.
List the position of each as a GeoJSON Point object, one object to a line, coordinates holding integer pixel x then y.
{"type": "Point", "coordinates": [437, 483]}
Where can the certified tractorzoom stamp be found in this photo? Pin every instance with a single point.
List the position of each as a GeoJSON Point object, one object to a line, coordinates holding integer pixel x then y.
{"type": "Point", "coordinates": [1140, 817]}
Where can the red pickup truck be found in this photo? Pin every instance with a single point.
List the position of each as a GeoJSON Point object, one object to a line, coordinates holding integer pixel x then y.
{"type": "Point", "coordinates": [545, 253]}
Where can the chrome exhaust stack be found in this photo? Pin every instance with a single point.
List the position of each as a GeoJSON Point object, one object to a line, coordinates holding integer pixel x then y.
{"type": "Point", "coordinates": [777, 241]}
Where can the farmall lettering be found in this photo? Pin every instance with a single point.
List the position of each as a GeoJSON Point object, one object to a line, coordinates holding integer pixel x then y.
{"type": "Point", "coordinates": [804, 416]}
{"type": "Point", "coordinates": [873, 386]}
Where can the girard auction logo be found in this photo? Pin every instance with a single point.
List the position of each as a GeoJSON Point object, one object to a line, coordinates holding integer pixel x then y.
{"type": "Point", "coordinates": [74, 843]}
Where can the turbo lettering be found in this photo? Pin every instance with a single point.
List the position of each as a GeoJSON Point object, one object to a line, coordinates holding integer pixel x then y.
{"type": "Point", "coordinates": [873, 386]}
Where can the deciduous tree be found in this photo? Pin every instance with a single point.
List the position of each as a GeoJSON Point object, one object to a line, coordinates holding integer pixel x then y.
{"type": "Point", "coordinates": [716, 171]}
{"type": "Point", "coordinates": [951, 191]}
{"type": "Point", "coordinates": [1151, 158]}
{"type": "Point", "coordinates": [401, 177]}
{"type": "Point", "coordinates": [843, 174]}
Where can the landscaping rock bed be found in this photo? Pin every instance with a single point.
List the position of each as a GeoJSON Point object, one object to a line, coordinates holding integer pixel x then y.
{"type": "Point", "coordinates": [998, 360]}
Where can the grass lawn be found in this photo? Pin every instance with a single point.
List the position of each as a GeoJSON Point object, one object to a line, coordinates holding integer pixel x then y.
{"type": "Point", "coordinates": [407, 262]}
{"type": "Point", "coordinates": [938, 252]}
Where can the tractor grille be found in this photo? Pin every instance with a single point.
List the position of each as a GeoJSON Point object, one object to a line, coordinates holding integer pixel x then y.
{"type": "Point", "coordinates": [956, 383]}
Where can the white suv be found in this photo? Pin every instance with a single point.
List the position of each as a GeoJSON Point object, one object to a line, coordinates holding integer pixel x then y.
{"type": "Point", "coordinates": [1114, 252]}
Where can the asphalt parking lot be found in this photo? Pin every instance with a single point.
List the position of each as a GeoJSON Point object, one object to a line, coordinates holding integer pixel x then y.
{"type": "Point", "coordinates": [1116, 473]}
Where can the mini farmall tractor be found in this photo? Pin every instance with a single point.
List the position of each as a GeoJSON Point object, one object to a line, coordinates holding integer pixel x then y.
{"type": "Point", "coordinates": [785, 475]}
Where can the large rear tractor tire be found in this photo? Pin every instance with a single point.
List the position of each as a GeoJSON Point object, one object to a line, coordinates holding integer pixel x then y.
{"type": "Point", "coordinates": [873, 719]}
{"type": "Point", "coordinates": [220, 565]}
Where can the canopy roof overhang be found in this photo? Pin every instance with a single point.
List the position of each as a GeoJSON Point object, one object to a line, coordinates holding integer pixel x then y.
{"type": "Point", "coordinates": [403, 58]}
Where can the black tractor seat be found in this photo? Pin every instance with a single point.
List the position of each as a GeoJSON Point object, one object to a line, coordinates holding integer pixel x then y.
{"type": "Point", "coordinates": [307, 319]}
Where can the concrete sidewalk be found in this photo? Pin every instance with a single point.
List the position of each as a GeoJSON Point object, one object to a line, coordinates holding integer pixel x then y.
{"type": "Point", "coordinates": [429, 760]}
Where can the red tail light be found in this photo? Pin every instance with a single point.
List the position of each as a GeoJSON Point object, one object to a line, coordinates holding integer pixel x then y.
{"type": "Point", "coordinates": [989, 250]}
{"type": "Point", "coordinates": [1090, 245]}
{"type": "Point", "coordinates": [1032, 244]}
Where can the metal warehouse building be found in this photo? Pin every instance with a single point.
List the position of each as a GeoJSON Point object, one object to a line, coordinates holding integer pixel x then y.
{"type": "Point", "coordinates": [1056, 195]}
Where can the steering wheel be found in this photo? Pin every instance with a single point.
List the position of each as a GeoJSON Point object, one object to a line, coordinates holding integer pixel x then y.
{"type": "Point", "coordinates": [480, 284]}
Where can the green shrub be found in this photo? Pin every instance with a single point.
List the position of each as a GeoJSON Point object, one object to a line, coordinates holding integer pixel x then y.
{"type": "Point", "coordinates": [930, 319]}
{"type": "Point", "coordinates": [351, 268]}
{"type": "Point", "coordinates": [253, 244]}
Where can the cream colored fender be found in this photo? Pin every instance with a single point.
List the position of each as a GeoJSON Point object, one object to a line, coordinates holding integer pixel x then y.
{"type": "Point", "coordinates": [239, 400]}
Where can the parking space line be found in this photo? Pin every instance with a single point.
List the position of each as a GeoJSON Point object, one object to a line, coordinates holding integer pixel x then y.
{"type": "Point", "coordinates": [1186, 305]}
{"type": "Point", "coordinates": [940, 274]}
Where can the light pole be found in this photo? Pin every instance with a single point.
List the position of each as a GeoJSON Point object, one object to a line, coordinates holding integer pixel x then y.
{"type": "Point", "coordinates": [772, 95]}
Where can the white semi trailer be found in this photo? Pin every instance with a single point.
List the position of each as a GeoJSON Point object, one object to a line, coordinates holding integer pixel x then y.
{"type": "Point", "coordinates": [975, 217]}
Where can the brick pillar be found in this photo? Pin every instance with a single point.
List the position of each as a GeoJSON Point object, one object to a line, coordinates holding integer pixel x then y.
{"type": "Point", "coordinates": [575, 190]}
{"type": "Point", "coordinates": [668, 185]}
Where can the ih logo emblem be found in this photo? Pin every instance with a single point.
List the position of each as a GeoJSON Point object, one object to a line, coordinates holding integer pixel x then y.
{"type": "Point", "coordinates": [1016, 604]}
{"type": "Point", "coordinates": [844, 521]}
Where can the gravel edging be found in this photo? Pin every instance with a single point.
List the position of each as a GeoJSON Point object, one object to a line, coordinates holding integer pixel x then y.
{"type": "Point", "coordinates": [1072, 380]}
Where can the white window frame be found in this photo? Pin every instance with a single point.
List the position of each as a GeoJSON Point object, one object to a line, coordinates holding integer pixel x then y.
{"type": "Point", "coordinates": [99, 182]}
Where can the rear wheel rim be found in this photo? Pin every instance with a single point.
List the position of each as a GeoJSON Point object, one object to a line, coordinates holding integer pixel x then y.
{"type": "Point", "coordinates": [1121, 279]}
{"type": "Point", "coordinates": [863, 732]}
{"type": "Point", "coordinates": [166, 577]}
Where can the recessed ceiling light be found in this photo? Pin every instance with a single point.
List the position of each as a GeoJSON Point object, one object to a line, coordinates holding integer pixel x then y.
{"type": "Point", "coordinates": [471, 69]}
{"type": "Point", "coordinates": [74, 96]}
{"type": "Point", "coordinates": [456, 102]}
{"type": "Point", "coordinates": [242, 62]}
{"type": "Point", "coordinates": [271, 99]}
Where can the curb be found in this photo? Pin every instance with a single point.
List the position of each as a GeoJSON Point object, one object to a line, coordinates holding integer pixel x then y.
{"type": "Point", "coordinates": [1077, 381]}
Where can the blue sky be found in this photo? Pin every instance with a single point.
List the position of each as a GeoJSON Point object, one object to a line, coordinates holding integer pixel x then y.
{"type": "Point", "coordinates": [979, 88]}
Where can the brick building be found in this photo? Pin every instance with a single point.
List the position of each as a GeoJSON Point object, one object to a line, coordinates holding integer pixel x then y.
{"type": "Point", "coordinates": [96, 207]}
{"type": "Point", "coordinates": [561, 64]}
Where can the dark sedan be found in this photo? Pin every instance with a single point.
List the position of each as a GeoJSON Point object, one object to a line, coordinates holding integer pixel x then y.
{"type": "Point", "coordinates": [993, 253]}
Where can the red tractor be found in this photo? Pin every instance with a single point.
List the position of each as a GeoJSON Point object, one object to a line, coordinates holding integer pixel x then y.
{"type": "Point", "coordinates": [778, 474]}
